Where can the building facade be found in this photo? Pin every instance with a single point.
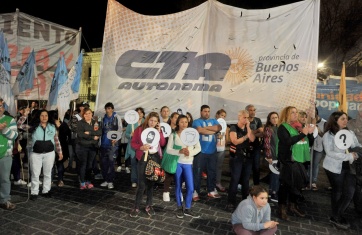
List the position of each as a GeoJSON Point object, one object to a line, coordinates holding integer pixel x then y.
{"type": "Point", "coordinates": [90, 74]}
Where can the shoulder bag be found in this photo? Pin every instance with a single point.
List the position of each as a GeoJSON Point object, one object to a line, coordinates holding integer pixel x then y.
{"type": "Point", "coordinates": [169, 161]}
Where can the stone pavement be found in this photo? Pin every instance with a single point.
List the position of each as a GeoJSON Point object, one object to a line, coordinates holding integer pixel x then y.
{"type": "Point", "coordinates": [103, 211]}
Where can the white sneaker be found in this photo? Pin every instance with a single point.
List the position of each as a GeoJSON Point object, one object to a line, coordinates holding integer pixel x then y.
{"type": "Point", "coordinates": [183, 185]}
{"type": "Point", "coordinates": [98, 177]}
{"type": "Point", "coordinates": [20, 182]}
{"type": "Point", "coordinates": [128, 170]}
{"type": "Point", "coordinates": [104, 184]}
{"type": "Point", "coordinates": [166, 196]}
{"type": "Point", "coordinates": [195, 196]}
{"type": "Point", "coordinates": [110, 185]}
{"type": "Point", "coordinates": [119, 169]}
{"type": "Point", "coordinates": [134, 185]}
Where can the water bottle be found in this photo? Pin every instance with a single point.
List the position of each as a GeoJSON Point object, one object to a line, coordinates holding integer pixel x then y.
{"type": "Point", "coordinates": [96, 126]}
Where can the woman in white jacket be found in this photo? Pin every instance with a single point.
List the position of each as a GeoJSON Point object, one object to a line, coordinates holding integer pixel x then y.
{"type": "Point", "coordinates": [184, 167]}
{"type": "Point", "coordinates": [336, 165]}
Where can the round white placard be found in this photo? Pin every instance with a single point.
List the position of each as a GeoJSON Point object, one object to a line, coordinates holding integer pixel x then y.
{"type": "Point", "coordinates": [190, 136]}
{"type": "Point", "coordinates": [180, 110]}
{"type": "Point", "coordinates": [166, 129]}
{"type": "Point", "coordinates": [222, 122]}
{"type": "Point", "coordinates": [343, 139]}
{"type": "Point", "coordinates": [150, 136]}
{"type": "Point", "coordinates": [114, 135]}
{"type": "Point", "coordinates": [131, 117]}
{"type": "Point", "coordinates": [273, 167]}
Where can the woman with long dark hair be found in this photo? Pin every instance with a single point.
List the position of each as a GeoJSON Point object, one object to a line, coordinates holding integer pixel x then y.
{"type": "Point", "coordinates": [152, 120]}
{"type": "Point", "coordinates": [336, 165]}
{"type": "Point", "coordinates": [184, 167]}
{"type": "Point", "coordinates": [270, 150]}
{"type": "Point", "coordinates": [44, 141]}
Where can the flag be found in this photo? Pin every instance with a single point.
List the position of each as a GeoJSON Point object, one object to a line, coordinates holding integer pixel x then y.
{"type": "Point", "coordinates": [1, 40]}
{"type": "Point", "coordinates": [59, 78]}
{"type": "Point", "coordinates": [75, 75]}
{"type": "Point", "coordinates": [26, 75]}
{"type": "Point", "coordinates": [4, 54]}
{"type": "Point", "coordinates": [5, 90]}
{"type": "Point", "coordinates": [66, 92]}
{"type": "Point", "coordinates": [5, 71]}
{"type": "Point", "coordinates": [342, 97]}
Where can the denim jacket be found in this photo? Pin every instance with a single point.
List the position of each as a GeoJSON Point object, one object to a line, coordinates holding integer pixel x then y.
{"type": "Point", "coordinates": [335, 156]}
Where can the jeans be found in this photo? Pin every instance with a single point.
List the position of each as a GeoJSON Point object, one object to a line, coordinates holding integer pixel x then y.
{"type": "Point", "coordinates": [240, 168]}
{"type": "Point", "coordinates": [202, 161]}
{"type": "Point", "coordinates": [37, 162]}
{"type": "Point", "coordinates": [143, 183]}
{"type": "Point", "coordinates": [255, 155]}
{"type": "Point", "coordinates": [274, 183]}
{"type": "Point", "coordinates": [184, 173]}
{"type": "Point", "coordinates": [343, 188]}
{"type": "Point", "coordinates": [220, 162]}
{"type": "Point", "coordinates": [73, 155]}
{"type": "Point", "coordinates": [107, 160]}
{"type": "Point", "coordinates": [5, 184]}
{"type": "Point", "coordinates": [86, 157]}
{"type": "Point", "coordinates": [317, 157]}
{"type": "Point", "coordinates": [134, 170]}
{"type": "Point", "coordinates": [60, 169]}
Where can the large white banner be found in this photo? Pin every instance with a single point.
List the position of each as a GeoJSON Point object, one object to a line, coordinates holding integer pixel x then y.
{"type": "Point", "coordinates": [213, 54]}
{"type": "Point", "coordinates": [49, 40]}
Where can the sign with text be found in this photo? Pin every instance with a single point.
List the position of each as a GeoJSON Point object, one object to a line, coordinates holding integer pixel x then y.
{"type": "Point", "coordinates": [211, 54]}
{"type": "Point", "coordinates": [49, 41]}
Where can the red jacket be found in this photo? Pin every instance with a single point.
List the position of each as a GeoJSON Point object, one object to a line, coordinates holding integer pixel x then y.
{"type": "Point", "coordinates": [136, 142]}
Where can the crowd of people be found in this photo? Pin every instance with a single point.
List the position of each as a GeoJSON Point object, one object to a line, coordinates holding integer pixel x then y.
{"type": "Point", "coordinates": [285, 141]}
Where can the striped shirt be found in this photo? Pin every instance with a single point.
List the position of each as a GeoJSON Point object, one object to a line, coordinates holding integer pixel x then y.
{"type": "Point", "coordinates": [11, 133]}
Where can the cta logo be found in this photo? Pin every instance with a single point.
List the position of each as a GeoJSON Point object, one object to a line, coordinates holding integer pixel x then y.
{"type": "Point", "coordinates": [164, 67]}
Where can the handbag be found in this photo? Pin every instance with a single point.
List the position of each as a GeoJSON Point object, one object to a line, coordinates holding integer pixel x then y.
{"type": "Point", "coordinates": [154, 171]}
{"type": "Point", "coordinates": [169, 161]}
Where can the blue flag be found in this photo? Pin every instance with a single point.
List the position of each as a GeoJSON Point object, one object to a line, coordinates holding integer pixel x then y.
{"type": "Point", "coordinates": [4, 53]}
{"type": "Point", "coordinates": [60, 76]}
{"type": "Point", "coordinates": [26, 75]}
{"type": "Point", "coordinates": [77, 74]}
{"type": "Point", "coordinates": [5, 91]}
{"type": "Point", "coordinates": [1, 41]}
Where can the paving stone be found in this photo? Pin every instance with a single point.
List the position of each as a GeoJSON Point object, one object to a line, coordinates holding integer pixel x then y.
{"type": "Point", "coordinates": [103, 211]}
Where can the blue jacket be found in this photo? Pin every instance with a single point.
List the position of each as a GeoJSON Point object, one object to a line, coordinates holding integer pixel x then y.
{"type": "Point", "coordinates": [112, 123]}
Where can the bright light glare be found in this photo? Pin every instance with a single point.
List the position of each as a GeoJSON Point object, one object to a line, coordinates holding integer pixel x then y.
{"type": "Point", "coordinates": [320, 65]}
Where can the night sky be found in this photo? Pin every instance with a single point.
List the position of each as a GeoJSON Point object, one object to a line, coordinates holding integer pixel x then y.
{"type": "Point", "coordinates": [91, 16]}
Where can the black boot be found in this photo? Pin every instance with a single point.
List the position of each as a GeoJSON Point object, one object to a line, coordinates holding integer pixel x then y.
{"type": "Point", "coordinates": [282, 212]}
{"type": "Point", "coordinates": [293, 209]}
